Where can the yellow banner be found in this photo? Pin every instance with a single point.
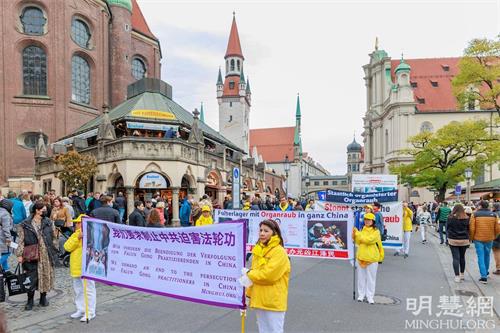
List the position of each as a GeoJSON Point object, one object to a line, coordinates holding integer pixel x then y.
{"type": "Point", "coordinates": [153, 114]}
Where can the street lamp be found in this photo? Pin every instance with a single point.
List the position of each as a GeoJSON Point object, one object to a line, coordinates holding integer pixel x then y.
{"type": "Point", "coordinates": [307, 180]}
{"type": "Point", "coordinates": [468, 176]}
{"type": "Point", "coordinates": [287, 170]}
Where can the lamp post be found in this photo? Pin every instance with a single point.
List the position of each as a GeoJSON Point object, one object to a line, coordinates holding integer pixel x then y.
{"type": "Point", "coordinates": [287, 170]}
{"type": "Point", "coordinates": [307, 180]}
{"type": "Point", "coordinates": [468, 176]}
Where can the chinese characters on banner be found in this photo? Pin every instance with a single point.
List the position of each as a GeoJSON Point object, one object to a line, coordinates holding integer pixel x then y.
{"type": "Point", "coordinates": [320, 234]}
{"type": "Point", "coordinates": [195, 264]}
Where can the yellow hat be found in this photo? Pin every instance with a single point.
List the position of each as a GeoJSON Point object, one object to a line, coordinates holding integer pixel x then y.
{"type": "Point", "coordinates": [247, 203]}
{"type": "Point", "coordinates": [205, 208]}
{"type": "Point", "coordinates": [79, 218]}
{"type": "Point", "coordinates": [369, 206]}
{"type": "Point", "coordinates": [369, 216]}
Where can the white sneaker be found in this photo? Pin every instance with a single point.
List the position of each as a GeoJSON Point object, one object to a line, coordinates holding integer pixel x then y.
{"type": "Point", "coordinates": [77, 314]}
{"type": "Point", "coordinates": [370, 301]}
{"type": "Point", "coordinates": [83, 319]}
{"type": "Point", "coordinates": [457, 279]}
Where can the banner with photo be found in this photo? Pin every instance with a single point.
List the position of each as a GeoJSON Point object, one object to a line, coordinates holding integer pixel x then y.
{"type": "Point", "coordinates": [369, 183]}
{"type": "Point", "coordinates": [320, 234]}
{"type": "Point", "coordinates": [353, 198]}
{"type": "Point", "coordinates": [199, 264]}
{"type": "Point", "coordinates": [392, 213]}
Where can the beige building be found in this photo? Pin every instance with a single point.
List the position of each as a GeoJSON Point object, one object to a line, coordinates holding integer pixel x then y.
{"type": "Point", "coordinates": [405, 97]}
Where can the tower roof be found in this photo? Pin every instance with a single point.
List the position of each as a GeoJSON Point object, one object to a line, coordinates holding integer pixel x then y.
{"type": "Point", "coordinates": [202, 113]}
{"type": "Point", "coordinates": [233, 45]}
{"type": "Point", "coordinates": [297, 111]}
{"type": "Point", "coordinates": [242, 77]}
{"type": "Point", "coordinates": [403, 66]}
{"type": "Point", "coordinates": [122, 3]}
{"type": "Point", "coordinates": [219, 78]}
{"type": "Point", "coordinates": [248, 91]}
{"type": "Point", "coordinates": [354, 146]}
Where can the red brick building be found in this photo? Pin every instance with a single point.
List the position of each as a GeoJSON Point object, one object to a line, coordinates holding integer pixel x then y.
{"type": "Point", "coordinates": [60, 62]}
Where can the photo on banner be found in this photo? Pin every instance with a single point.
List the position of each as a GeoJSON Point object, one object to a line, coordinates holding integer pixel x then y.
{"type": "Point", "coordinates": [199, 264]}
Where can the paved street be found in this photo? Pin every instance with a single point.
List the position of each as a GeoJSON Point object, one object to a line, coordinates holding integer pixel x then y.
{"type": "Point", "coordinates": [322, 285]}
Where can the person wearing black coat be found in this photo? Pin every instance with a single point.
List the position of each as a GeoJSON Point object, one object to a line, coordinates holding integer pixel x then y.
{"type": "Point", "coordinates": [106, 211]}
{"type": "Point", "coordinates": [457, 231]}
{"type": "Point", "coordinates": [137, 218]}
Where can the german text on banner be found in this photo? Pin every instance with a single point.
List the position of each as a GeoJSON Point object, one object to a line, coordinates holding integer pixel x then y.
{"type": "Point", "coordinates": [355, 198]}
{"type": "Point", "coordinates": [199, 264]}
{"type": "Point", "coordinates": [318, 234]}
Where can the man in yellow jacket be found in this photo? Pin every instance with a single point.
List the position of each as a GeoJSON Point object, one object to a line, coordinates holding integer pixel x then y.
{"type": "Point", "coordinates": [370, 252]}
{"type": "Point", "coordinates": [407, 230]}
{"type": "Point", "coordinates": [74, 246]}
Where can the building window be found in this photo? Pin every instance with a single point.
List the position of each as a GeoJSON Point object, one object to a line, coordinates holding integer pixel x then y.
{"type": "Point", "coordinates": [138, 69]}
{"type": "Point", "coordinates": [230, 119]}
{"type": "Point", "coordinates": [471, 104]}
{"type": "Point", "coordinates": [231, 105]}
{"type": "Point", "coordinates": [34, 71]}
{"type": "Point", "coordinates": [334, 182]}
{"type": "Point", "coordinates": [238, 63]}
{"type": "Point", "coordinates": [80, 80]}
{"type": "Point", "coordinates": [47, 185]}
{"type": "Point", "coordinates": [434, 83]}
{"type": "Point", "coordinates": [446, 68]}
{"type": "Point", "coordinates": [29, 140]}
{"type": "Point", "coordinates": [420, 100]}
{"type": "Point", "coordinates": [80, 33]}
{"type": "Point", "coordinates": [232, 64]}
{"type": "Point", "coordinates": [231, 84]}
{"type": "Point", "coordinates": [386, 141]}
{"type": "Point", "coordinates": [316, 183]}
{"type": "Point", "coordinates": [325, 182]}
{"type": "Point", "coordinates": [33, 21]}
{"type": "Point", "coordinates": [426, 127]}
{"type": "Point", "coordinates": [344, 182]}
{"type": "Point", "coordinates": [413, 84]}
{"type": "Point", "coordinates": [308, 184]}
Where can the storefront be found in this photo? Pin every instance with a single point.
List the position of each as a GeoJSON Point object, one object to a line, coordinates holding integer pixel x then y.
{"type": "Point", "coordinates": [150, 184]}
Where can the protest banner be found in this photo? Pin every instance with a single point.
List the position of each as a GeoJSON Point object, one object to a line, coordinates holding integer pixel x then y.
{"type": "Point", "coordinates": [392, 213]}
{"type": "Point", "coordinates": [306, 234]}
{"type": "Point", "coordinates": [353, 198]}
{"type": "Point", "coordinates": [199, 264]}
{"type": "Point", "coordinates": [369, 183]}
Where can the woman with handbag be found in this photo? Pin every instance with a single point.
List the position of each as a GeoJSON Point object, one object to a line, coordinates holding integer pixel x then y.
{"type": "Point", "coordinates": [61, 217]}
{"type": "Point", "coordinates": [37, 251]}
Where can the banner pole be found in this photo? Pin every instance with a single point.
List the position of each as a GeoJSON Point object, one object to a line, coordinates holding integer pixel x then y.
{"type": "Point", "coordinates": [243, 315]}
{"type": "Point", "coordinates": [354, 275]}
{"type": "Point", "coordinates": [86, 300]}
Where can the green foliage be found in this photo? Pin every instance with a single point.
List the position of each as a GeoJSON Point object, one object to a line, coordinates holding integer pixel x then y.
{"type": "Point", "coordinates": [441, 158]}
{"type": "Point", "coordinates": [479, 75]}
{"type": "Point", "coordinates": [77, 169]}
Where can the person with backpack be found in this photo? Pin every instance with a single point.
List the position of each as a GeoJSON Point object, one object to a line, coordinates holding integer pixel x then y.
{"type": "Point", "coordinates": [442, 217]}
{"type": "Point", "coordinates": [424, 220]}
{"type": "Point", "coordinates": [369, 254]}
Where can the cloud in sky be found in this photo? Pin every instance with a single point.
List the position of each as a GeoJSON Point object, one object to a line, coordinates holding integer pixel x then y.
{"type": "Point", "coordinates": [315, 48]}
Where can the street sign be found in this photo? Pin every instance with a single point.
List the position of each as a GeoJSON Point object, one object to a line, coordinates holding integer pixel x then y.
{"type": "Point", "coordinates": [236, 188]}
{"type": "Point", "coordinates": [322, 195]}
{"type": "Point", "coordinates": [458, 190]}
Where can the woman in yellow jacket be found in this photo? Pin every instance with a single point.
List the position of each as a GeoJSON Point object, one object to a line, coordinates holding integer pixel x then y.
{"type": "Point", "coordinates": [74, 246]}
{"type": "Point", "coordinates": [370, 252]}
{"type": "Point", "coordinates": [407, 229]}
{"type": "Point", "coordinates": [205, 218]}
{"type": "Point", "coordinates": [269, 275]}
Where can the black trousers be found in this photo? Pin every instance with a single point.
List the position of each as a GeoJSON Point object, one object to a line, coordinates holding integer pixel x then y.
{"type": "Point", "coordinates": [458, 254]}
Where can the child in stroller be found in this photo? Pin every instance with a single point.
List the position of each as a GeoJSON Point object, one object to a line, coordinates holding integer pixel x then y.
{"type": "Point", "coordinates": [64, 233]}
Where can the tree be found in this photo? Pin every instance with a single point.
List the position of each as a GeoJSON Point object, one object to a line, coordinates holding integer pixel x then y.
{"type": "Point", "coordinates": [479, 75]}
{"type": "Point", "coordinates": [441, 158]}
{"type": "Point", "coordinates": [77, 169]}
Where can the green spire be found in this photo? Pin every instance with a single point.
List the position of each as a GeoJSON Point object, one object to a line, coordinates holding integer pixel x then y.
{"type": "Point", "coordinates": [403, 66]}
{"type": "Point", "coordinates": [242, 77]}
{"type": "Point", "coordinates": [296, 137]}
{"type": "Point", "coordinates": [297, 111]}
{"type": "Point", "coordinates": [202, 114]}
{"type": "Point", "coordinates": [219, 78]}
{"type": "Point", "coordinates": [248, 86]}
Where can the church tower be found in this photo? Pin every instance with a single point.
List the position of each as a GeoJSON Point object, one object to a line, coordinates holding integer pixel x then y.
{"type": "Point", "coordinates": [297, 136]}
{"type": "Point", "coordinates": [233, 94]}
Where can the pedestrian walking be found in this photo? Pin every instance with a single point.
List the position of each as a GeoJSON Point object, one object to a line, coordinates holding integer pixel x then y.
{"type": "Point", "coordinates": [407, 230]}
{"type": "Point", "coordinates": [121, 203]}
{"type": "Point", "coordinates": [442, 216]}
{"type": "Point", "coordinates": [106, 211]}
{"type": "Point", "coordinates": [483, 229]}
{"type": "Point", "coordinates": [37, 251]}
{"type": "Point", "coordinates": [496, 242]}
{"type": "Point", "coordinates": [154, 220]}
{"type": "Point", "coordinates": [370, 252]}
{"type": "Point", "coordinates": [269, 276]}
{"type": "Point", "coordinates": [185, 212]}
{"type": "Point", "coordinates": [137, 217]}
{"type": "Point", "coordinates": [6, 225]}
{"type": "Point", "coordinates": [205, 218]}
{"type": "Point", "coordinates": [457, 230]}
{"type": "Point", "coordinates": [160, 207]}
{"type": "Point", "coordinates": [424, 220]}
{"type": "Point", "coordinates": [74, 246]}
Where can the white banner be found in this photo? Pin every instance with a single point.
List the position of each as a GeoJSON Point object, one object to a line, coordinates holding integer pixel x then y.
{"type": "Point", "coordinates": [199, 264]}
{"type": "Point", "coordinates": [392, 213]}
{"type": "Point", "coordinates": [306, 234]}
{"type": "Point", "coordinates": [368, 183]}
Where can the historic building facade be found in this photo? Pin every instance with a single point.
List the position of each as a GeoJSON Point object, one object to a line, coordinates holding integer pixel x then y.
{"type": "Point", "coordinates": [405, 97]}
{"type": "Point", "coordinates": [60, 62]}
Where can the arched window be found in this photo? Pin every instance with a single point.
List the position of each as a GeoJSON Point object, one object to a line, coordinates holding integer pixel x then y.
{"type": "Point", "coordinates": [138, 69]}
{"type": "Point", "coordinates": [80, 33]}
{"type": "Point", "coordinates": [80, 80]}
{"type": "Point", "coordinates": [227, 66]}
{"type": "Point", "coordinates": [232, 64]}
{"type": "Point", "coordinates": [238, 64]}
{"type": "Point", "coordinates": [426, 127]}
{"type": "Point", "coordinates": [33, 21]}
{"type": "Point", "coordinates": [34, 71]}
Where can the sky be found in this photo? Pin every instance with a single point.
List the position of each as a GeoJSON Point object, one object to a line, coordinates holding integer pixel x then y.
{"type": "Point", "coordinates": [315, 48]}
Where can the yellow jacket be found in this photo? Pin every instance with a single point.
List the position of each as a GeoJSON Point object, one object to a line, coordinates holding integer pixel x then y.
{"type": "Point", "coordinates": [204, 221]}
{"type": "Point", "coordinates": [74, 245]}
{"type": "Point", "coordinates": [407, 218]}
{"type": "Point", "coordinates": [270, 274]}
{"type": "Point", "coordinates": [369, 243]}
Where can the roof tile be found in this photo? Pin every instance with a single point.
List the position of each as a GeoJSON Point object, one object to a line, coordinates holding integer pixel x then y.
{"type": "Point", "coordinates": [139, 23]}
{"type": "Point", "coordinates": [273, 143]}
